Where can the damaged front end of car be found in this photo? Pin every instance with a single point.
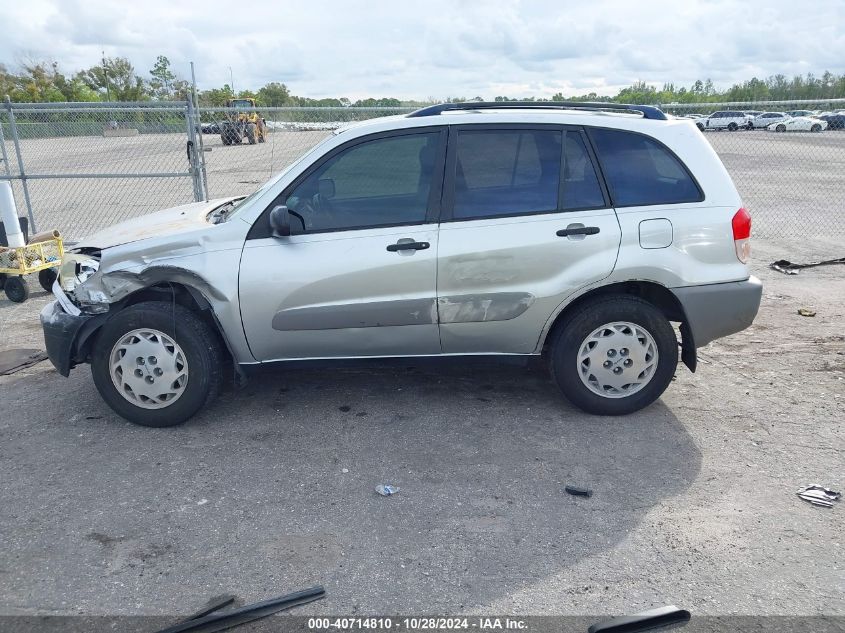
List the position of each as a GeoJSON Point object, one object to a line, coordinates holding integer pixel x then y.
{"type": "Point", "coordinates": [168, 256]}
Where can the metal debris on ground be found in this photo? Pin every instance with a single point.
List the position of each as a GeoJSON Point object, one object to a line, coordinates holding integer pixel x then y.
{"type": "Point", "coordinates": [12, 360]}
{"type": "Point", "coordinates": [807, 312]}
{"type": "Point", "coordinates": [819, 495]}
{"type": "Point", "coordinates": [645, 621]}
{"type": "Point", "coordinates": [579, 492]}
{"type": "Point", "coordinates": [386, 490]}
{"type": "Point", "coordinates": [788, 268]}
{"type": "Point", "coordinates": [206, 620]}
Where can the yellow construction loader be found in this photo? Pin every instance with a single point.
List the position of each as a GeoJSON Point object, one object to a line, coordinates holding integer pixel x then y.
{"type": "Point", "coordinates": [242, 122]}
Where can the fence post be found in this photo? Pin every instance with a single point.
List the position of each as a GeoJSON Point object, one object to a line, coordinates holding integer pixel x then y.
{"type": "Point", "coordinates": [196, 174]}
{"type": "Point", "coordinates": [198, 115]}
{"type": "Point", "coordinates": [4, 156]}
{"type": "Point", "coordinates": [14, 129]}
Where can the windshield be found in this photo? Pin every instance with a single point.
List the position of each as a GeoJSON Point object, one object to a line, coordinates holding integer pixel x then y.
{"type": "Point", "coordinates": [242, 103]}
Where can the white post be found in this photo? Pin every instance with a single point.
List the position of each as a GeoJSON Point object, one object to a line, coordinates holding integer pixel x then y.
{"type": "Point", "coordinates": [9, 216]}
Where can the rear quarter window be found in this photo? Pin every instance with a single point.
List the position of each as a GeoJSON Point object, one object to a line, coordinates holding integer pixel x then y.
{"type": "Point", "coordinates": [640, 171]}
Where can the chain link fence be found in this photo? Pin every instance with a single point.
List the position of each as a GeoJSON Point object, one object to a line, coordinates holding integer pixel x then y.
{"type": "Point", "coordinates": [81, 167]}
{"type": "Point", "coordinates": [88, 166]}
{"type": "Point", "coordinates": [239, 168]}
{"type": "Point", "coordinates": [787, 159]}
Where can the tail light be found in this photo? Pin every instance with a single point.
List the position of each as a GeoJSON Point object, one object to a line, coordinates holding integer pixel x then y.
{"type": "Point", "coordinates": [741, 225]}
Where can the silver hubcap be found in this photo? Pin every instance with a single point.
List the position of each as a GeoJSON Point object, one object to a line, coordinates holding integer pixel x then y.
{"type": "Point", "coordinates": [617, 360]}
{"type": "Point", "coordinates": [148, 368]}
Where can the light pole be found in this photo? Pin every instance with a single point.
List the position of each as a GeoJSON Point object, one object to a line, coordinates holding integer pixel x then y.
{"type": "Point", "coordinates": [232, 82]}
{"type": "Point", "coordinates": [106, 77]}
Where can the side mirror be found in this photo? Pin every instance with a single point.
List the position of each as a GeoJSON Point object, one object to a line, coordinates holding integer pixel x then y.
{"type": "Point", "coordinates": [280, 221]}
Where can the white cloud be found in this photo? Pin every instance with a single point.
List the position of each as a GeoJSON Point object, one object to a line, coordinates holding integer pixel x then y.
{"type": "Point", "coordinates": [438, 48]}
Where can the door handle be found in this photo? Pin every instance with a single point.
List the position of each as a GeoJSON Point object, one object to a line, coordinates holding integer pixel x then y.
{"type": "Point", "coordinates": [578, 230]}
{"type": "Point", "coordinates": [408, 246]}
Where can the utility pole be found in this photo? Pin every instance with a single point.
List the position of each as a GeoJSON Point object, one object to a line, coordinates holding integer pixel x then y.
{"type": "Point", "coordinates": [232, 82]}
{"type": "Point", "coordinates": [106, 77]}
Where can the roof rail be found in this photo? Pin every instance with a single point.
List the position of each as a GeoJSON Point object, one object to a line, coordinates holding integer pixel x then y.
{"type": "Point", "coordinates": [648, 112]}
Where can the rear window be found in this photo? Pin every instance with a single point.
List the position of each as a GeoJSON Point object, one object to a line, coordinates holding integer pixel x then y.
{"type": "Point", "coordinates": [641, 171]}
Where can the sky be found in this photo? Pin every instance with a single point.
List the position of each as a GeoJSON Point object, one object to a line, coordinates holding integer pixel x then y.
{"type": "Point", "coordinates": [436, 49]}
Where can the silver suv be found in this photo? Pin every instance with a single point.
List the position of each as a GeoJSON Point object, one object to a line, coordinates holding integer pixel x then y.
{"type": "Point", "coordinates": [574, 232]}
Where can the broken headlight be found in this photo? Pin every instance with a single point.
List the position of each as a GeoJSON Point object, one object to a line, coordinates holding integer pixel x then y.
{"type": "Point", "coordinates": [75, 270]}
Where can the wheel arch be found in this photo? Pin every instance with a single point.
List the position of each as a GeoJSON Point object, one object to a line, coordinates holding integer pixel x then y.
{"type": "Point", "coordinates": [179, 293]}
{"type": "Point", "coordinates": [656, 294]}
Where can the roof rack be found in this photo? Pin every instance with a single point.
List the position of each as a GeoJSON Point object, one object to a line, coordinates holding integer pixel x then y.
{"type": "Point", "coordinates": [648, 112]}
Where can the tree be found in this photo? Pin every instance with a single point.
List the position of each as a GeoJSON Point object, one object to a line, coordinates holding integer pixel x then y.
{"type": "Point", "coordinates": [115, 79]}
{"type": "Point", "coordinates": [274, 95]}
{"type": "Point", "coordinates": [216, 97]}
{"type": "Point", "coordinates": [162, 82]}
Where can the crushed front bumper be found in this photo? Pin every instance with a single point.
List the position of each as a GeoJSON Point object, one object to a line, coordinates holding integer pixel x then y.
{"type": "Point", "coordinates": [64, 335]}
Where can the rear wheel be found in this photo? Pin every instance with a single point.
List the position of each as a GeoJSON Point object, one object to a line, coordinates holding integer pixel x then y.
{"type": "Point", "coordinates": [46, 278]}
{"type": "Point", "coordinates": [156, 364]}
{"type": "Point", "coordinates": [614, 355]}
{"type": "Point", "coordinates": [732, 127]}
{"type": "Point", "coordinates": [816, 128]}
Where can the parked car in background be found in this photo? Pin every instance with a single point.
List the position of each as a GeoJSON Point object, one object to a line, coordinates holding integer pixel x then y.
{"type": "Point", "coordinates": [799, 124]}
{"type": "Point", "coordinates": [767, 118]}
{"type": "Point", "coordinates": [800, 112]}
{"type": "Point", "coordinates": [753, 113]}
{"type": "Point", "coordinates": [574, 233]}
{"type": "Point", "coordinates": [731, 120]}
{"type": "Point", "coordinates": [835, 121]}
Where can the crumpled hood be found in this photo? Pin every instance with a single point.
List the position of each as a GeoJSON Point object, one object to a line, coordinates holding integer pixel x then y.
{"type": "Point", "coordinates": [182, 219]}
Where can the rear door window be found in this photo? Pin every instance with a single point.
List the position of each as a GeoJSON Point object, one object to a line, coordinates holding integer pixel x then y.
{"type": "Point", "coordinates": [506, 172]}
{"type": "Point", "coordinates": [641, 171]}
{"type": "Point", "coordinates": [581, 188]}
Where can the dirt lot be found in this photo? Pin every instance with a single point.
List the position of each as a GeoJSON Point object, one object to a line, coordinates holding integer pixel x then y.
{"type": "Point", "coordinates": [271, 489]}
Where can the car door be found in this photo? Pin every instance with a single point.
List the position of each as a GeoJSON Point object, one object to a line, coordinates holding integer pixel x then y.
{"type": "Point", "coordinates": [357, 275]}
{"type": "Point", "coordinates": [526, 223]}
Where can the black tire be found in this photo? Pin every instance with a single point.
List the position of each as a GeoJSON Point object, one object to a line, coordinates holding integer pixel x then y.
{"type": "Point", "coordinates": [199, 343]}
{"type": "Point", "coordinates": [700, 126]}
{"type": "Point", "coordinates": [780, 128]}
{"type": "Point", "coordinates": [225, 138]}
{"type": "Point", "coordinates": [2, 280]}
{"type": "Point", "coordinates": [732, 127]}
{"type": "Point", "coordinates": [572, 333]}
{"type": "Point", "coordinates": [46, 278]}
{"type": "Point", "coordinates": [250, 133]}
{"type": "Point", "coordinates": [16, 289]}
{"type": "Point", "coordinates": [816, 128]}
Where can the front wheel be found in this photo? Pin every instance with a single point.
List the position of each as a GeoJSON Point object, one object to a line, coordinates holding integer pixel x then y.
{"type": "Point", "coordinates": [816, 128]}
{"type": "Point", "coordinates": [614, 355]}
{"type": "Point", "coordinates": [16, 289]}
{"type": "Point", "coordinates": [780, 128]}
{"type": "Point", "coordinates": [732, 127]}
{"type": "Point", "coordinates": [156, 364]}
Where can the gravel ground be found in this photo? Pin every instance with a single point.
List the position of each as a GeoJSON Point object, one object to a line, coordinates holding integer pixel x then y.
{"type": "Point", "coordinates": [271, 489]}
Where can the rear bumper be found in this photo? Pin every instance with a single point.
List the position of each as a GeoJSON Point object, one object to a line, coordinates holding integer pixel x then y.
{"type": "Point", "coordinates": [62, 335]}
{"type": "Point", "coordinates": [716, 310]}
